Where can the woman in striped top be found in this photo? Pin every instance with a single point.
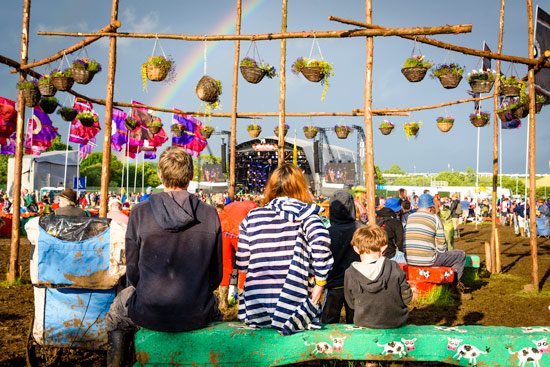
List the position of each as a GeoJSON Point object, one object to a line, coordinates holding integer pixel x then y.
{"type": "Point", "coordinates": [281, 247]}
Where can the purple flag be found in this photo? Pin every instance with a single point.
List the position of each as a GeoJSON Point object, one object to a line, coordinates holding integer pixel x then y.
{"type": "Point", "coordinates": [86, 149]}
{"type": "Point", "coordinates": [120, 137]}
{"type": "Point", "coordinates": [43, 131]}
{"type": "Point", "coordinates": [10, 147]}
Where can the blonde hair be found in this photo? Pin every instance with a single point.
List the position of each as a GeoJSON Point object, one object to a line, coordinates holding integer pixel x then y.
{"type": "Point", "coordinates": [175, 168]}
{"type": "Point", "coordinates": [287, 180]}
{"type": "Point", "coordinates": [369, 239]}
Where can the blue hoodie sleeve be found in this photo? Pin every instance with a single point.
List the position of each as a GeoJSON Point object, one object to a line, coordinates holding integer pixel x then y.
{"type": "Point", "coordinates": [243, 248]}
{"type": "Point", "coordinates": [319, 244]}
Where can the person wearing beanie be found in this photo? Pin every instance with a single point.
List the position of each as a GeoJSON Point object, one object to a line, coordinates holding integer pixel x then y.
{"type": "Point", "coordinates": [387, 218]}
{"type": "Point", "coordinates": [68, 204]}
{"type": "Point", "coordinates": [425, 243]}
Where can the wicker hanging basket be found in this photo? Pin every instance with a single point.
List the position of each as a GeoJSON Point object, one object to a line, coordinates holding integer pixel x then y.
{"type": "Point", "coordinates": [310, 134]}
{"type": "Point", "coordinates": [414, 73]}
{"type": "Point", "coordinates": [206, 133]}
{"type": "Point", "coordinates": [538, 107]}
{"type": "Point", "coordinates": [521, 112]}
{"type": "Point", "coordinates": [313, 73]}
{"type": "Point", "coordinates": [156, 73]}
{"type": "Point", "coordinates": [255, 133]}
{"type": "Point", "coordinates": [342, 134]}
{"type": "Point", "coordinates": [131, 124]}
{"type": "Point", "coordinates": [47, 89]}
{"type": "Point", "coordinates": [414, 131]}
{"type": "Point", "coordinates": [87, 121]}
{"type": "Point", "coordinates": [445, 126]}
{"type": "Point", "coordinates": [276, 131]}
{"type": "Point", "coordinates": [509, 90]}
{"type": "Point", "coordinates": [82, 76]}
{"type": "Point", "coordinates": [62, 83]}
{"type": "Point", "coordinates": [154, 129]}
{"type": "Point", "coordinates": [385, 130]}
{"type": "Point", "coordinates": [207, 89]}
{"type": "Point", "coordinates": [252, 74]}
{"type": "Point", "coordinates": [479, 122]}
{"type": "Point", "coordinates": [31, 95]}
{"type": "Point", "coordinates": [176, 130]}
{"type": "Point", "coordinates": [68, 115]}
{"type": "Point", "coordinates": [482, 86]}
{"type": "Point", "coordinates": [506, 116]}
{"type": "Point", "coordinates": [47, 106]}
{"type": "Point", "coordinates": [450, 81]}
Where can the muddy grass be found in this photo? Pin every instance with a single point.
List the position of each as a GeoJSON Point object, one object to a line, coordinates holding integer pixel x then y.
{"type": "Point", "coordinates": [497, 300]}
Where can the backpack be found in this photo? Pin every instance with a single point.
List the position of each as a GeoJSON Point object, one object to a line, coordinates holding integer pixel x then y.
{"type": "Point", "coordinates": [458, 209]}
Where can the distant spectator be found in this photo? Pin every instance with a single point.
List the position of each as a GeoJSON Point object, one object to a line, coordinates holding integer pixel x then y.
{"type": "Point", "coordinates": [115, 212]}
{"type": "Point", "coordinates": [465, 209]}
{"type": "Point", "coordinates": [148, 192]}
{"type": "Point", "coordinates": [68, 204]}
{"type": "Point", "coordinates": [387, 219]}
{"type": "Point", "coordinates": [361, 209]}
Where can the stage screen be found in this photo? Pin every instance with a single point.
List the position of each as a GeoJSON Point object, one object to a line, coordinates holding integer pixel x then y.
{"type": "Point", "coordinates": [212, 173]}
{"type": "Point", "coordinates": [340, 173]}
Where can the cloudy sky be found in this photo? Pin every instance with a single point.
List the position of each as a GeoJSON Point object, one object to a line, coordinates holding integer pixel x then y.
{"type": "Point", "coordinates": [433, 151]}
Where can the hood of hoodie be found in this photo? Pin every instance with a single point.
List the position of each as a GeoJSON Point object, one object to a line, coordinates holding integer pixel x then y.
{"type": "Point", "coordinates": [292, 209]}
{"type": "Point", "coordinates": [377, 284]}
{"type": "Point", "coordinates": [174, 210]}
{"type": "Point", "coordinates": [386, 212]}
{"type": "Point", "coordinates": [342, 207]}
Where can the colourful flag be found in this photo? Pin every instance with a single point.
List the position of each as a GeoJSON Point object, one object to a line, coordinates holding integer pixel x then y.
{"type": "Point", "coordinates": [120, 136]}
{"type": "Point", "coordinates": [8, 145]}
{"type": "Point", "coordinates": [79, 133]}
{"type": "Point", "coordinates": [8, 117]}
{"type": "Point", "coordinates": [190, 139]}
{"type": "Point", "coordinates": [85, 149]}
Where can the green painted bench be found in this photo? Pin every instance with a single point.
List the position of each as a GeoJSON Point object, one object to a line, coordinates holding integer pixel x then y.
{"type": "Point", "coordinates": [233, 344]}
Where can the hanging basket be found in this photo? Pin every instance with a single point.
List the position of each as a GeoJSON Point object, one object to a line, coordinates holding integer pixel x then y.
{"type": "Point", "coordinates": [31, 95]}
{"type": "Point", "coordinates": [313, 73]}
{"type": "Point", "coordinates": [206, 133]}
{"type": "Point", "coordinates": [68, 115]}
{"type": "Point", "coordinates": [521, 112]}
{"type": "Point", "coordinates": [445, 126]}
{"type": "Point", "coordinates": [207, 89]}
{"type": "Point", "coordinates": [47, 89]}
{"type": "Point", "coordinates": [310, 134]}
{"type": "Point", "coordinates": [506, 116]}
{"type": "Point", "coordinates": [254, 133]}
{"type": "Point", "coordinates": [538, 107]}
{"type": "Point", "coordinates": [482, 86]}
{"type": "Point", "coordinates": [414, 131]}
{"type": "Point", "coordinates": [130, 124]}
{"type": "Point", "coordinates": [479, 122]}
{"type": "Point", "coordinates": [154, 129]}
{"type": "Point", "coordinates": [385, 130]}
{"type": "Point", "coordinates": [252, 74]}
{"type": "Point", "coordinates": [82, 76]}
{"type": "Point", "coordinates": [62, 83]}
{"type": "Point", "coordinates": [156, 73]}
{"type": "Point", "coordinates": [414, 73]}
{"type": "Point", "coordinates": [342, 134]}
{"type": "Point", "coordinates": [509, 90]}
{"type": "Point", "coordinates": [87, 121]}
{"type": "Point", "coordinates": [176, 130]}
{"type": "Point", "coordinates": [47, 107]}
{"type": "Point", "coordinates": [450, 81]}
{"type": "Point", "coordinates": [276, 131]}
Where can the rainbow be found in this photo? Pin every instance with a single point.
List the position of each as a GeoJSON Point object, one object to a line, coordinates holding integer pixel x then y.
{"type": "Point", "coordinates": [190, 63]}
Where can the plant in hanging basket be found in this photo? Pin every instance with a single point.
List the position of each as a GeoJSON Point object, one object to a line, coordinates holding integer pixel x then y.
{"type": "Point", "coordinates": [62, 79]}
{"type": "Point", "coordinates": [342, 131]}
{"type": "Point", "coordinates": [254, 72]}
{"type": "Point", "coordinates": [67, 113]}
{"type": "Point", "coordinates": [506, 113]}
{"type": "Point", "coordinates": [131, 123]}
{"type": "Point", "coordinates": [310, 131]}
{"type": "Point", "coordinates": [46, 87]}
{"type": "Point", "coordinates": [83, 70]}
{"type": "Point", "coordinates": [209, 90]}
{"type": "Point", "coordinates": [540, 100]}
{"type": "Point", "coordinates": [29, 89]}
{"type": "Point", "coordinates": [87, 118]}
{"type": "Point", "coordinates": [314, 71]}
{"type": "Point", "coordinates": [177, 129]}
{"type": "Point", "coordinates": [411, 128]}
{"type": "Point", "coordinates": [206, 131]}
{"type": "Point", "coordinates": [480, 119]}
{"type": "Point", "coordinates": [254, 130]}
{"type": "Point", "coordinates": [415, 68]}
{"type": "Point", "coordinates": [276, 130]}
{"type": "Point", "coordinates": [158, 68]}
{"type": "Point", "coordinates": [445, 123]}
{"type": "Point", "coordinates": [386, 127]}
{"type": "Point", "coordinates": [481, 80]}
{"type": "Point", "coordinates": [154, 126]}
{"type": "Point", "coordinates": [511, 86]}
{"type": "Point", "coordinates": [449, 75]}
{"type": "Point", "coordinates": [48, 104]}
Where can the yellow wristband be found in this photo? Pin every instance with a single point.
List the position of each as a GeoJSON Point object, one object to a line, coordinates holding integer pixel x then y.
{"type": "Point", "coordinates": [321, 283]}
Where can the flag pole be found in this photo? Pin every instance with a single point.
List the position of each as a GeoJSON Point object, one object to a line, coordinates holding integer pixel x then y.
{"type": "Point", "coordinates": [66, 158]}
{"type": "Point", "coordinates": [135, 171]}
{"type": "Point", "coordinates": [143, 174]}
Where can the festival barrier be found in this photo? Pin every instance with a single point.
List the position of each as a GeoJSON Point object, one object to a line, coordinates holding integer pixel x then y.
{"type": "Point", "coordinates": [234, 344]}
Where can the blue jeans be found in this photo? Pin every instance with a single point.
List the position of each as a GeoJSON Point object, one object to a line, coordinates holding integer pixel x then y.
{"type": "Point", "coordinates": [399, 257]}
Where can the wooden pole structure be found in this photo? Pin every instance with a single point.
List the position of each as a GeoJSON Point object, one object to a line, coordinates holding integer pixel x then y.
{"type": "Point", "coordinates": [448, 29]}
{"type": "Point", "coordinates": [106, 166]}
{"type": "Point", "coordinates": [449, 46]}
{"type": "Point", "coordinates": [532, 150]}
{"type": "Point", "coordinates": [540, 64]}
{"type": "Point", "coordinates": [13, 271]}
{"type": "Point", "coordinates": [369, 149]}
{"type": "Point", "coordinates": [233, 138]}
{"type": "Point", "coordinates": [495, 148]}
{"type": "Point", "coordinates": [92, 38]}
{"type": "Point", "coordinates": [282, 92]}
{"type": "Point", "coordinates": [398, 110]}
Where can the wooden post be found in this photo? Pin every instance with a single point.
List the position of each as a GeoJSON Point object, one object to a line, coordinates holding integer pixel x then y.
{"type": "Point", "coordinates": [369, 150]}
{"type": "Point", "coordinates": [282, 92]}
{"type": "Point", "coordinates": [106, 166]}
{"type": "Point", "coordinates": [495, 145]}
{"type": "Point", "coordinates": [13, 272]}
{"type": "Point", "coordinates": [532, 150]}
{"type": "Point", "coordinates": [233, 138]}
{"type": "Point", "coordinates": [498, 267]}
{"type": "Point", "coordinates": [488, 263]}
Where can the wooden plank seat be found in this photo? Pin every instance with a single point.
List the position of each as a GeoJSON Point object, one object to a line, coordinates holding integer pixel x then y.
{"type": "Point", "coordinates": [234, 344]}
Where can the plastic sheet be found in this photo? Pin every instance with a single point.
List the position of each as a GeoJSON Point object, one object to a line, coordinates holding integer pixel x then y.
{"type": "Point", "coordinates": [73, 228]}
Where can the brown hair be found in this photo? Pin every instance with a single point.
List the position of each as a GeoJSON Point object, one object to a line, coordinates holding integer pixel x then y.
{"type": "Point", "coordinates": [175, 168]}
{"type": "Point", "coordinates": [287, 180]}
{"type": "Point", "coordinates": [369, 239]}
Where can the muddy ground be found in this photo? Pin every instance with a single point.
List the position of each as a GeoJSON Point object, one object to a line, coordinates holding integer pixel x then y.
{"type": "Point", "coordinates": [497, 300]}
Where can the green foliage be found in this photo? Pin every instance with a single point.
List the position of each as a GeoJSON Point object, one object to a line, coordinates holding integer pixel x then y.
{"type": "Point", "coordinates": [254, 127]}
{"type": "Point", "coordinates": [378, 177]}
{"type": "Point", "coordinates": [417, 61]}
{"type": "Point", "coordinates": [45, 79]}
{"type": "Point", "coordinates": [451, 68]}
{"type": "Point", "coordinates": [208, 128]}
{"type": "Point", "coordinates": [58, 145]}
{"type": "Point", "coordinates": [26, 84]}
{"type": "Point", "coordinates": [4, 169]}
{"type": "Point", "coordinates": [395, 169]}
{"type": "Point", "coordinates": [326, 70]}
{"type": "Point", "coordinates": [441, 296]}
{"type": "Point", "coordinates": [482, 75]}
